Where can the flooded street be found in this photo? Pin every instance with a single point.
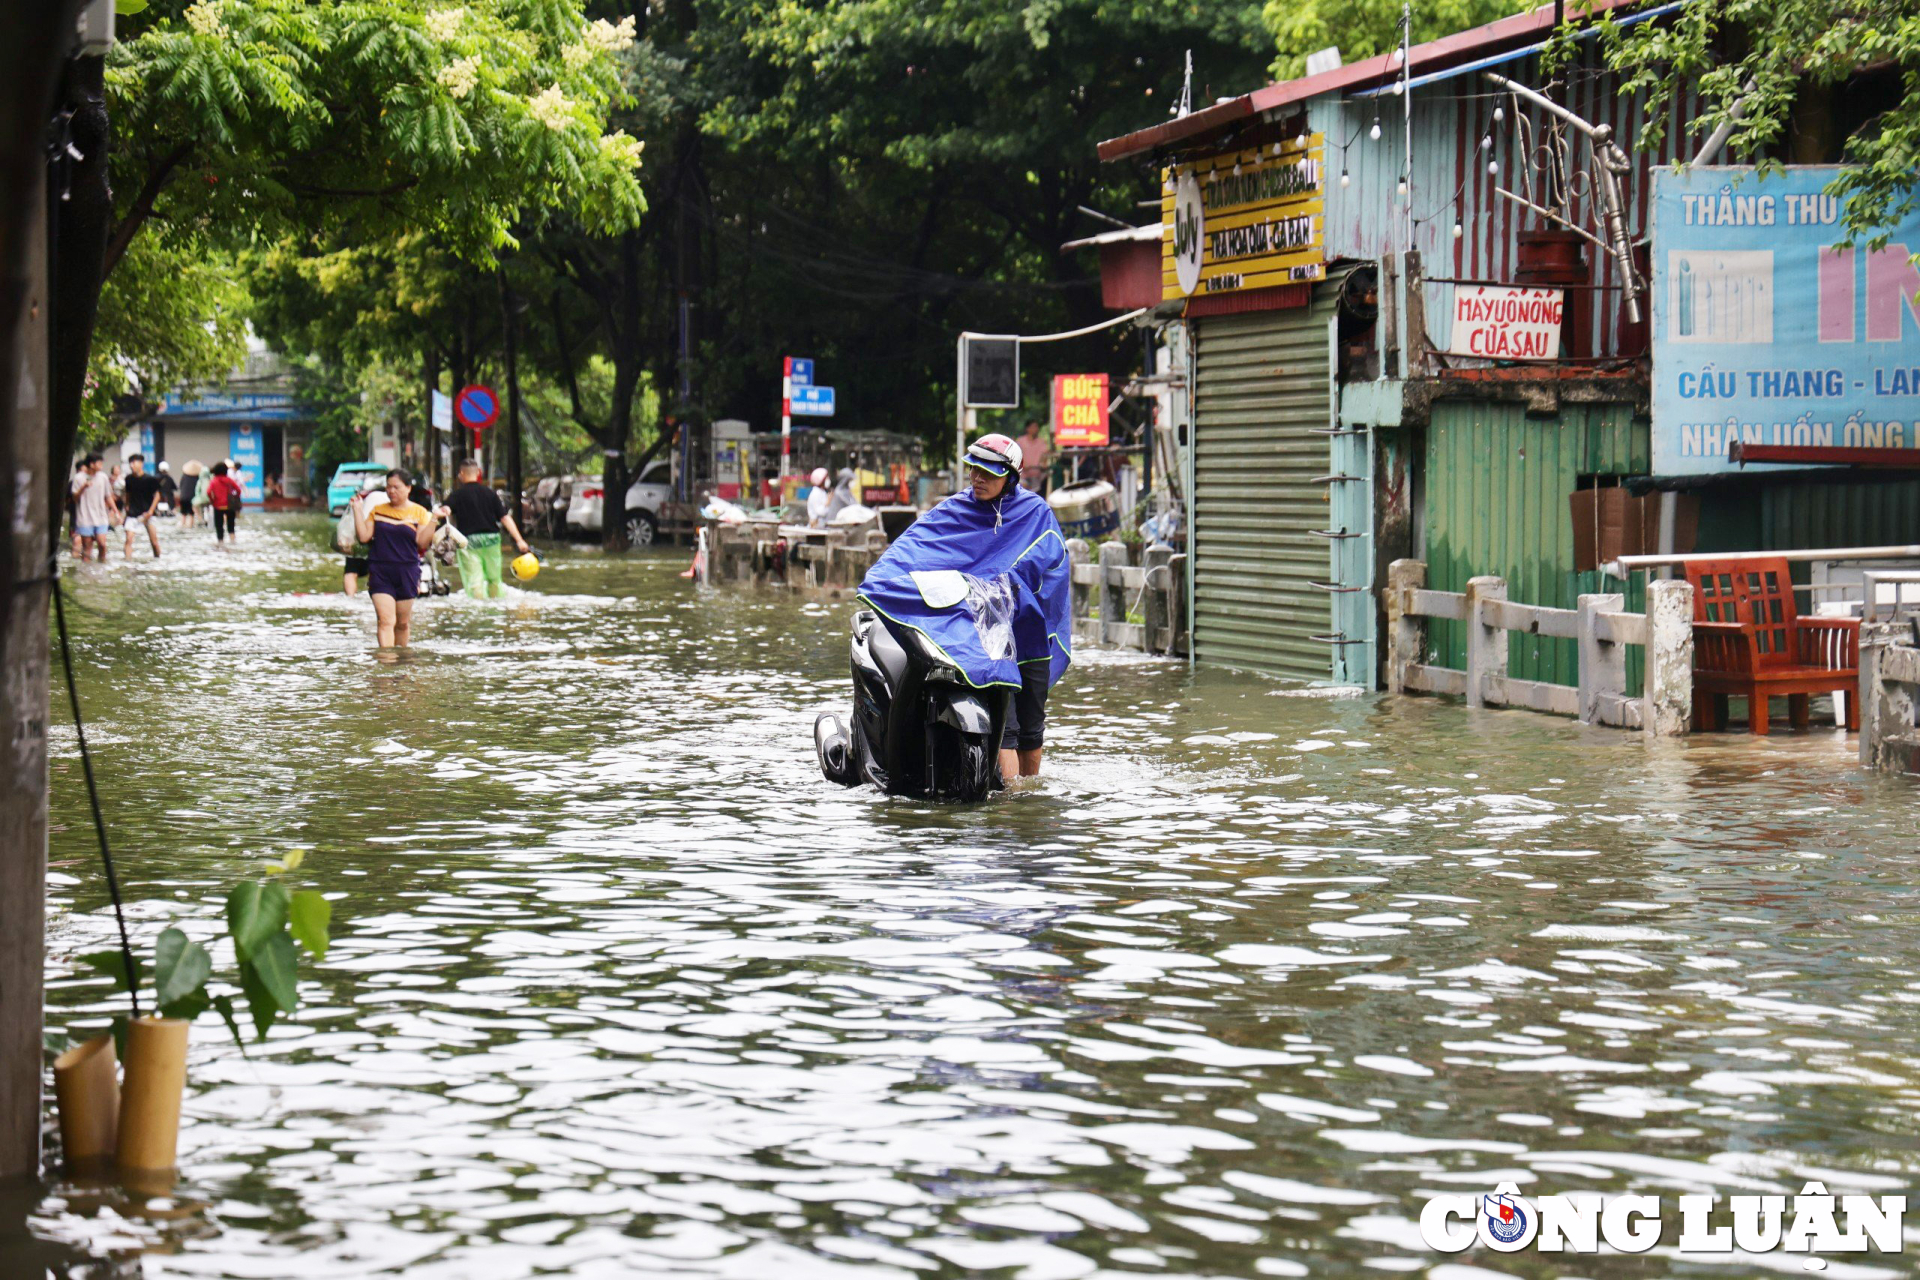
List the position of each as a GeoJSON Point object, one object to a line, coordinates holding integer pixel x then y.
{"type": "Point", "coordinates": [621, 987]}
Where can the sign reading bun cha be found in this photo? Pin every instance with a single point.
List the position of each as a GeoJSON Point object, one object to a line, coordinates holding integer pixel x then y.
{"type": "Point", "coordinates": [1244, 220]}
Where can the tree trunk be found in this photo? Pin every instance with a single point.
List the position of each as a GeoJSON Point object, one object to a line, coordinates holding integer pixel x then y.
{"type": "Point", "coordinates": [80, 251]}
{"type": "Point", "coordinates": [431, 373]}
{"type": "Point", "coordinates": [509, 323]}
{"type": "Point", "coordinates": [24, 574]}
{"type": "Point", "coordinates": [38, 39]}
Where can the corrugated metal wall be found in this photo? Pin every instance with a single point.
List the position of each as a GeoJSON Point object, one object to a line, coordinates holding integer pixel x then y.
{"type": "Point", "coordinates": [1263, 396]}
{"type": "Point", "coordinates": [1497, 490]}
{"type": "Point", "coordinates": [1367, 219]}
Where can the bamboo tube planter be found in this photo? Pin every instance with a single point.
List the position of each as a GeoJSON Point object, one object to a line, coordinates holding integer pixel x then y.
{"type": "Point", "coordinates": [150, 1104]}
{"type": "Point", "coordinates": [86, 1085]}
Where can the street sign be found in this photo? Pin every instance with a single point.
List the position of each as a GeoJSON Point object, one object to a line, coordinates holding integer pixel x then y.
{"type": "Point", "coordinates": [816, 402]}
{"type": "Point", "coordinates": [1080, 410]}
{"type": "Point", "coordinates": [477, 407]}
{"type": "Point", "coordinates": [799, 372]}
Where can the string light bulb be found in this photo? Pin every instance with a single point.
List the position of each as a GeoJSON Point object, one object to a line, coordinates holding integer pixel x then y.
{"type": "Point", "coordinates": [1345, 180]}
{"type": "Point", "coordinates": [1403, 184]}
{"type": "Point", "coordinates": [1493, 166]}
{"type": "Point", "coordinates": [1499, 114]}
{"type": "Point", "coordinates": [1374, 132]}
{"type": "Point", "coordinates": [1456, 229]}
{"type": "Point", "coordinates": [1486, 142]}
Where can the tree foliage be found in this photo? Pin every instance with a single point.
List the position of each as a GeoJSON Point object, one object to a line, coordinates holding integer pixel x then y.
{"type": "Point", "coordinates": [1363, 29]}
{"type": "Point", "coordinates": [1764, 66]}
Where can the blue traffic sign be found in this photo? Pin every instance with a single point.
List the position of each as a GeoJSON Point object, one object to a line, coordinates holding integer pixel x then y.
{"type": "Point", "coordinates": [799, 371]}
{"type": "Point", "coordinates": [812, 401]}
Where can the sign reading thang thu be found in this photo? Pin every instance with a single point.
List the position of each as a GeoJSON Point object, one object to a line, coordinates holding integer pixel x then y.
{"type": "Point", "coordinates": [1243, 220]}
{"type": "Point", "coordinates": [1765, 331]}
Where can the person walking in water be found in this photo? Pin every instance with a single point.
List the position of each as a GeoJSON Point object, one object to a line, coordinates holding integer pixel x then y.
{"type": "Point", "coordinates": [223, 496]}
{"type": "Point", "coordinates": [143, 499]}
{"type": "Point", "coordinates": [396, 532]}
{"type": "Point", "coordinates": [92, 500]}
{"type": "Point", "coordinates": [191, 482]}
{"type": "Point", "coordinates": [480, 514]}
{"type": "Point", "coordinates": [169, 489]}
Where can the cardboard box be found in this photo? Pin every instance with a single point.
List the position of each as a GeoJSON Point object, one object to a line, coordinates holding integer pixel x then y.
{"type": "Point", "coordinates": [1609, 522]}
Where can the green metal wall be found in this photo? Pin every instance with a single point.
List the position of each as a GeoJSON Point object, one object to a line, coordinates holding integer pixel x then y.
{"type": "Point", "coordinates": [1792, 515]}
{"type": "Point", "coordinates": [1497, 488]}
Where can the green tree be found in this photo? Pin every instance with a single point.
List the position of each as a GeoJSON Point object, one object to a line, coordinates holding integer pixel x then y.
{"type": "Point", "coordinates": [237, 122]}
{"type": "Point", "coordinates": [1363, 29]}
{"type": "Point", "coordinates": [1811, 81]}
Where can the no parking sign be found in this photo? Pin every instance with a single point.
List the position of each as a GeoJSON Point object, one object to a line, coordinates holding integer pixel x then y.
{"type": "Point", "coordinates": [477, 408]}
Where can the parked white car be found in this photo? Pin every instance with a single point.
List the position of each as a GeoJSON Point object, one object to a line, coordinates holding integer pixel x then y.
{"type": "Point", "coordinates": [586, 504]}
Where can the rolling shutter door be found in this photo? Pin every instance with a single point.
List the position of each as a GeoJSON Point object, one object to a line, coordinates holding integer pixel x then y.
{"type": "Point", "coordinates": [1262, 404]}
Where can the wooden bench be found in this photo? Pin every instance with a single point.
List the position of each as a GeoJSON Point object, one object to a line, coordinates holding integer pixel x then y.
{"type": "Point", "coordinates": [1749, 638]}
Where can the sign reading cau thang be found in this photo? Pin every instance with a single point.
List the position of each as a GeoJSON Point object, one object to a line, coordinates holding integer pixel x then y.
{"type": "Point", "coordinates": [1766, 331]}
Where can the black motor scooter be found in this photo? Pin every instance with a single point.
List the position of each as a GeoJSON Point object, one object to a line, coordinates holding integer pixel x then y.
{"type": "Point", "coordinates": [919, 729]}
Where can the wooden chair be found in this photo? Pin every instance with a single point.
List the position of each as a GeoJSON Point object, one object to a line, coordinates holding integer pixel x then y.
{"type": "Point", "coordinates": [1748, 638]}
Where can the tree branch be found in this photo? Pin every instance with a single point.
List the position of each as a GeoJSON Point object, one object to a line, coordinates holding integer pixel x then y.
{"type": "Point", "coordinates": [142, 208]}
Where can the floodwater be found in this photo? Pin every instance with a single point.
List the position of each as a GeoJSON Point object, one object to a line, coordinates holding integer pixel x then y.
{"type": "Point", "coordinates": [621, 987]}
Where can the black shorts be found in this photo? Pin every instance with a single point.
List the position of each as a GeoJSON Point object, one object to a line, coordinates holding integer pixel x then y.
{"type": "Point", "coordinates": [356, 564]}
{"type": "Point", "coordinates": [1027, 716]}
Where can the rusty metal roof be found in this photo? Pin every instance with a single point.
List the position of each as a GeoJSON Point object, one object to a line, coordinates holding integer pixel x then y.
{"type": "Point", "coordinates": [1434, 55]}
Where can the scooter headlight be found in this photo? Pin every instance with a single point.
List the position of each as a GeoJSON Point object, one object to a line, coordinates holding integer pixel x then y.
{"type": "Point", "coordinates": [939, 669]}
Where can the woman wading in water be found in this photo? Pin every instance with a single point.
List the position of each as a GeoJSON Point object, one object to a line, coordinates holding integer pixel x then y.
{"type": "Point", "coordinates": [396, 532]}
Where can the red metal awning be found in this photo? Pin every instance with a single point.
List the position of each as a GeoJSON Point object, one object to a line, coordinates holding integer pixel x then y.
{"type": "Point", "coordinates": [1825, 455]}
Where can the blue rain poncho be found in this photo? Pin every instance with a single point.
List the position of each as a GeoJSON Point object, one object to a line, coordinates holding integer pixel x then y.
{"type": "Point", "coordinates": [988, 582]}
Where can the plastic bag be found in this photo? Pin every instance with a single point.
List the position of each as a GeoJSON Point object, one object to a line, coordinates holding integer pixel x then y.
{"type": "Point", "coordinates": [345, 537]}
{"type": "Point", "coordinates": [990, 601]}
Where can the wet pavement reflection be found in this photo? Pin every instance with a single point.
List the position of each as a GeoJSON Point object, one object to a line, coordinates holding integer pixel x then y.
{"type": "Point", "coordinates": [620, 986]}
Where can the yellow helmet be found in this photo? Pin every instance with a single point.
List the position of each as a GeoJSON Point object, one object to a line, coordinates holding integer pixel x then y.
{"type": "Point", "coordinates": [525, 567]}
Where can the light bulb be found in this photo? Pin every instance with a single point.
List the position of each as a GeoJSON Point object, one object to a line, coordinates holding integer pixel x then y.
{"type": "Point", "coordinates": [1398, 88]}
{"type": "Point", "coordinates": [1499, 114]}
{"type": "Point", "coordinates": [1493, 166]}
{"type": "Point", "coordinates": [1403, 185]}
{"type": "Point", "coordinates": [1486, 141]}
{"type": "Point", "coordinates": [1456, 229]}
{"type": "Point", "coordinates": [1236, 168]}
{"type": "Point", "coordinates": [1276, 148]}
{"type": "Point", "coordinates": [1374, 132]}
{"type": "Point", "coordinates": [1344, 179]}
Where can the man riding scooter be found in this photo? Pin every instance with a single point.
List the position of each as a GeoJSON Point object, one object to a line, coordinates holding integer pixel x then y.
{"type": "Point", "coordinates": [993, 471]}
{"type": "Point", "coordinates": [976, 601]}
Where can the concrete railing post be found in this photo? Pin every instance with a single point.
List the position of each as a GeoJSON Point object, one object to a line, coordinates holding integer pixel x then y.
{"type": "Point", "coordinates": [1668, 700]}
{"type": "Point", "coordinates": [1113, 591]}
{"type": "Point", "coordinates": [1603, 664]}
{"type": "Point", "coordinates": [1486, 645]}
{"type": "Point", "coordinates": [1406, 632]}
{"type": "Point", "coordinates": [1178, 641]}
{"type": "Point", "coordinates": [1157, 635]}
{"type": "Point", "coordinates": [1890, 676]}
{"type": "Point", "coordinates": [1076, 558]}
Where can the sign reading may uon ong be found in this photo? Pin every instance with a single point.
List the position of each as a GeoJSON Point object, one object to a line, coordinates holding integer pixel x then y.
{"type": "Point", "coordinates": [1080, 409]}
{"type": "Point", "coordinates": [1499, 322]}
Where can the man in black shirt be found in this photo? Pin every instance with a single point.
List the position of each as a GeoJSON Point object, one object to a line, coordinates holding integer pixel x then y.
{"type": "Point", "coordinates": [143, 498]}
{"type": "Point", "coordinates": [480, 514]}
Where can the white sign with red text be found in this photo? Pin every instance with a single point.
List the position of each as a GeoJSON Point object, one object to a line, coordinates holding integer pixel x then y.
{"type": "Point", "coordinates": [1500, 322]}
